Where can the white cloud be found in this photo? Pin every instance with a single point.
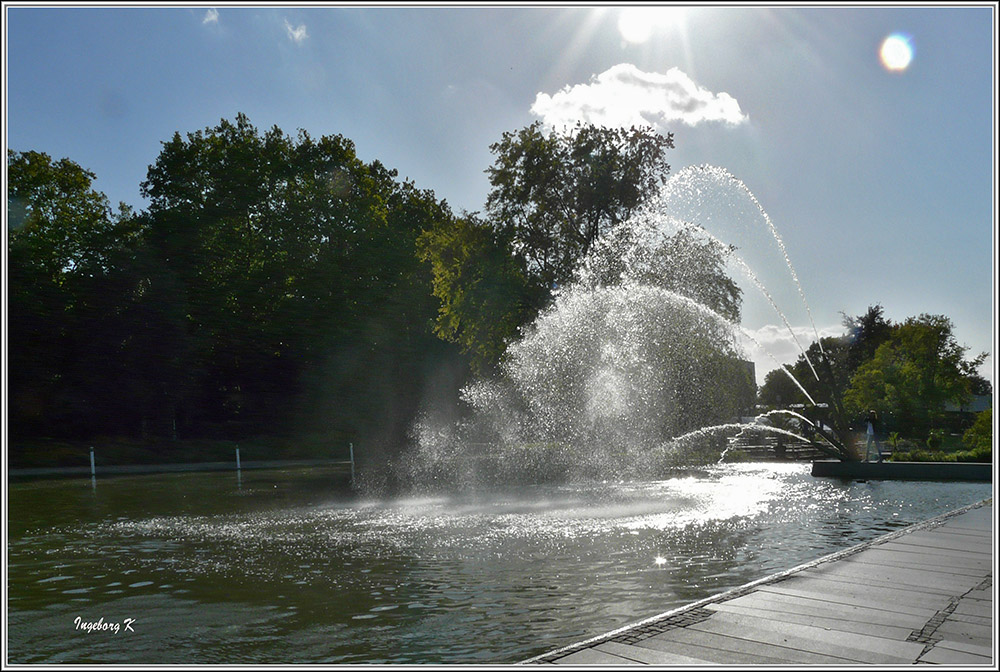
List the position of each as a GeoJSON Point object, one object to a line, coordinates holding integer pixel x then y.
{"type": "Point", "coordinates": [211, 16]}
{"type": "Point", "coordinates": [624, 96]}
{"type": "Point", "coordinates": [297, 35]}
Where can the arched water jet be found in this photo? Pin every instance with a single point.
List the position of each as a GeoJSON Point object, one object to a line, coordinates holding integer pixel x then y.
{"type": "Point", "coordinates": [777, 238]}
{"type": "Point", "coordinates": [608, 261]}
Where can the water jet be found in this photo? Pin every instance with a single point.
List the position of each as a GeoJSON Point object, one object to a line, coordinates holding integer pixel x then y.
{"type": "Point", "coordinates": [642, 353]}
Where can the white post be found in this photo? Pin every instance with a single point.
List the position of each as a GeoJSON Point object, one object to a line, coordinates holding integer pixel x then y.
{"type": "Point", "coordinates": [352, 463]}
{"type": "Point", "coordinates": [237, 458]}
{"type": "Point", "coordinates": [93, 471]}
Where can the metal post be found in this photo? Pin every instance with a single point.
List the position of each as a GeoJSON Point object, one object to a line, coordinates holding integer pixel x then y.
{"type": "Point", "coordinates": [93, 471]}
{"type": "Point", "coordinates": [237, 458]}
{"type": "Point", "coordinates": [352, 463]}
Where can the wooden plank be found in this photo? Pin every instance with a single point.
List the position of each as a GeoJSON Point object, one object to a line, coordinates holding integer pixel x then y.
{"type": "Point", "coordinates": [858, 607]}
{"type": "Point", "coordinates": [939, 543]}
{"type": "Point", "coordinates": [883, 576]}
{"type": "Point", "coordinates": [803, 606]}
{"type": "Point", "coordinates": [741, 645]}
{"type": "Point", "coordinates": [979, 594]}
{"type": "Point", "coordinates": [714, 655]}
{"type": "Point", "coordinates": [968, 618]}
{"type": "Point", "coordinates": [960, 631]}
{"type": "Point", "coordinates": [942, 566]}
{"type": "Point", "coordinates": [980, 515]}
{"type": "Point", "coordinates": [648, 656]}
{"type": "Point", "coordinates": [856, 647]}
{"type": "Point", "coordinates": [873, 628]}
{"type": "Point", "coordinates": [917, 559]}
{"type": "Point", "coordinates": [592, 656]}
{"type": "Point", "coordinates": [929, 540]}
{"type": "Point", "coordinates": [838, 586]}
{"type": "Point", "coordinates": [959, 531]}
{"type": "Point", "coordinates": [847, 599]}
{"type": "Point", "coordinates": [975, 608]}
{"type": "Point", "coordinates": [977, 649]}
{"type": "Point", "coordinates": [943, 656]}
{"type": "Point", "coordinates": [860, 583]}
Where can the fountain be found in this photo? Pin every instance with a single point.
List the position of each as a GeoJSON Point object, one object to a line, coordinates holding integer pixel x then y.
{"type": "Point", "coordinates": [636, 367]}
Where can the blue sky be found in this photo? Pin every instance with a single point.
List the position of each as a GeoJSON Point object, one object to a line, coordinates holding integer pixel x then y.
{"type": "Point", "coordinates": [879, 181]}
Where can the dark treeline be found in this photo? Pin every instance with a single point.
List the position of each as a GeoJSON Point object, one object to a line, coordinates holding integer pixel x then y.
{"type": "Point", "coordinates": [279, 285]}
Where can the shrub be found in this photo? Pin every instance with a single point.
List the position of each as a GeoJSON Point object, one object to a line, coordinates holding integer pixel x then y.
{"type": "Point", "coordinates": [980, 435]}
{"type": "Point", "coordinates": [935, 439]}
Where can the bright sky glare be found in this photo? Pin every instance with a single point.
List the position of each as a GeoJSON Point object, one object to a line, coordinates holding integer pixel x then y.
{"type": "Point", "coordinates": [867, 133]}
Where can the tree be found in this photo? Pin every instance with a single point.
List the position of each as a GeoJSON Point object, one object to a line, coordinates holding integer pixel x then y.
{"type": "Point", "coordinates": [67, 254]}
{"type": "Point", "coordinates": [305, 303]}
{"type": "Point", "coordinates": [552, 195]}
{"type": "Point", "coordinates": [979, 437]}
{"type": "Point", "coordinates": [911, 376]}
{"type": "Point", "coordinates": [865, 333]}
{"type": "Point", "coordinates": [829, 368]}
{"type": "Point", "coordinates": [483, 292]}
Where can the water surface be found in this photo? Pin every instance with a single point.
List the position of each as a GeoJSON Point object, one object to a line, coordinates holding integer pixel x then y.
{"type": "Point", "coordinates": [286, 566]}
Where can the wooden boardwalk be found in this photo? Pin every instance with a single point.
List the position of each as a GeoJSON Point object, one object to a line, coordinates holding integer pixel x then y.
{"type": "Point", "coordinates": [923, 594]}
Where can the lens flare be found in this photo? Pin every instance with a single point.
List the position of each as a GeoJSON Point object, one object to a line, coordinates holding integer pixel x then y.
{"type": "Point", "coordinates": [896, 52]}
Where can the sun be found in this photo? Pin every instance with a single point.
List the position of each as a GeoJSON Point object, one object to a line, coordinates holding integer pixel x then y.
{"type": "Point", "coordinates": [637, 24]}
{"type": "Point", "coordinates": [896, 52]}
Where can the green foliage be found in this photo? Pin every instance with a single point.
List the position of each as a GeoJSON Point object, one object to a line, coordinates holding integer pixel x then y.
{"type": "Point", "coordinates": [737, 455]}
{"type": "Point", "coordinates": [913, 374]}
{"type": "Point", "coordinates": [480, 286]}
{"type": "Point", "coordinates": [682, 262]}
{"type": "Point", "coordinates": [935, 438]}
{"type": "Point", "coordinates": [983, 454]}
{"type": "Point", "coordinates": [553, 194]}
{"type": "Point", "coordinates": [829, 364]}
{"type": "Point", "coordinates": [893, 440]}
{"type": "Point", "coordinates": [865, 333]}
{"type": "Point", "coordinates": [980, 435]}
{"type": "Point", "coordinates": [67, 278]}
{"type": "Point", "coordinates": [299, 268]}
{"type": "Point", "coordinates": [272, 285]}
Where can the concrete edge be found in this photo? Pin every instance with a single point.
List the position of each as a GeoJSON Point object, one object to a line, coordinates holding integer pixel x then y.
{"type": "Point", "coordinates": [739, 590]}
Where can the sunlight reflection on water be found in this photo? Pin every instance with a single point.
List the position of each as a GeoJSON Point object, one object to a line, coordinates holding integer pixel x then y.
{"type": "Point", "coordinates": [313, 576]}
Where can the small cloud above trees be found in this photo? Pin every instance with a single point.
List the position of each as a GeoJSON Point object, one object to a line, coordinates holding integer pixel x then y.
{"type": "Point", "coordinates": [211, 16]}
{"type": "Point", "coordinates": [625, 96]}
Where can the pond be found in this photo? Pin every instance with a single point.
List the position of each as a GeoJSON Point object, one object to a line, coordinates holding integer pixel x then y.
{"type": "Point", "coordinates": [288, 566]}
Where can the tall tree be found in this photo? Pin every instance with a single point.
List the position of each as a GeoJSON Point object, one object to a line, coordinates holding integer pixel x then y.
{"type": "Point", "coordinates": [553, 194]}
{"type": "Point", "coordinates": [66, 253]}
{"type": "Point", "coordinates": [298, 267]}
{"type": "Point", "coordinates": [911, 376]}
{"type": "Point", "coordinates": [865, 334]}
